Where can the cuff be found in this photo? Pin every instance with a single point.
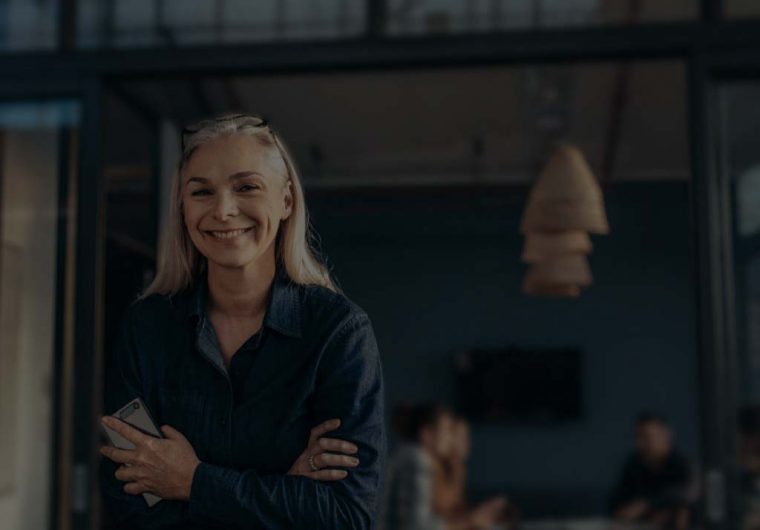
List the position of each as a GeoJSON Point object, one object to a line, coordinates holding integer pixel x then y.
{"type": "Point", "coordinates": [212, 493]}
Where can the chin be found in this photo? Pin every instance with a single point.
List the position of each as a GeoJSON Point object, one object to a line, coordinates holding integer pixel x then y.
{"type": "Point", "coordinates": [231, 262]}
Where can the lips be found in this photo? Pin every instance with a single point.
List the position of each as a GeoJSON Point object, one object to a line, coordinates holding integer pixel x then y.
{"type": "Point", "coordinates": [228, 234]}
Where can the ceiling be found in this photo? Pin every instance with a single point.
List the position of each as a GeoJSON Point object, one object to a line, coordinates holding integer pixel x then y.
{"type": "Point", "coordinates": [450, 125]}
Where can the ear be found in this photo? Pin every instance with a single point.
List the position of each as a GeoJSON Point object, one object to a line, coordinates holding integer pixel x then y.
{"type": "Point", "coordinates": [287, 200]}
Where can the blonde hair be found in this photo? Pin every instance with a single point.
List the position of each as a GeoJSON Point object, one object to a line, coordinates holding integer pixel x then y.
{"type": "Point", "coordinates": [180, 263]}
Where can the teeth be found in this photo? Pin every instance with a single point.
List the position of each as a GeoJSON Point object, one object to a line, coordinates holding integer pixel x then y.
{"type": "Point", "coordinates": [229, 235]}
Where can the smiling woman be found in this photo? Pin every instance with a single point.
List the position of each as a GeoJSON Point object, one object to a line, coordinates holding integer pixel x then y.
{"type": "Point", "coordinates": [247, 355]}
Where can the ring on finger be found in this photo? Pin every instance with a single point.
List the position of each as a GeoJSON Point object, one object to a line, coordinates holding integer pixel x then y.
{"type": "Point", "coordinates": [312, 465]}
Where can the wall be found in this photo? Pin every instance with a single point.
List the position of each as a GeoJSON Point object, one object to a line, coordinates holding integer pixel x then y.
{"type": "Point", "coordinates": [439, 272]}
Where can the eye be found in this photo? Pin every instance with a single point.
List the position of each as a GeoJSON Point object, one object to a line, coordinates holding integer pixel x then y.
{"type": "Point", "coordinates": [197, 193]}
{"type": "Point", "coordinates": [248, 187]}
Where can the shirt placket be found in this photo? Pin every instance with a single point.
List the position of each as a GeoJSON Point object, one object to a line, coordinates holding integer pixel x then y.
{"type": "Point", "coordinates": [208, 346]}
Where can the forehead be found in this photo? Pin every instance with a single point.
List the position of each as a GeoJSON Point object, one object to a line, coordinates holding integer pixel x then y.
{"type": "Point", "coordinates": [232, 153]}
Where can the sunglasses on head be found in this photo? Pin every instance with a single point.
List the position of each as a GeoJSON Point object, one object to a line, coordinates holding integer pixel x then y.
{"type": "Point", "coordinates": [252, 120]}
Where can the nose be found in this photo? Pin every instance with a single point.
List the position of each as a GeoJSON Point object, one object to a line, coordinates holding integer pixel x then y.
{"type": "Point", "coordinates": [225, 206]}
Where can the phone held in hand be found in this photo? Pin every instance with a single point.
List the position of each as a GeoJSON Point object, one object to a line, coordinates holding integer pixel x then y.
{"type": "Point", "coordinates": [138, 416]}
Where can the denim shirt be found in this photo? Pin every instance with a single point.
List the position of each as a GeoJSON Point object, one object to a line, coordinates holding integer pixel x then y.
{"type": "Point", "coordinates": [315, 358]}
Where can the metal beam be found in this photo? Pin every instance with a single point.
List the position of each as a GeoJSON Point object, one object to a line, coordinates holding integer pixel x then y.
{"type": "Point", "coordinates": [712, 247]}
{"type": "Point", "coordinates": [377, 16]}
{"type": "Point", "coordinates": [144, 110]}
{"type": "Point", "coordinates": [67, 25]}
{"type": "Point", "coordinates": [651, 41]}
{"type": "Point", "coordinates": [610, 43]}
{"type": "Point", "coordinates": [88, 308]}
{"type": "Point", "coordinates": [712, 10]}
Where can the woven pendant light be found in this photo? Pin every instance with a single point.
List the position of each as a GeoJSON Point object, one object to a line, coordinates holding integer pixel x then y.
{"type": "Point", "coordinates": [540, 246]}
{"type": "Point", "coordinates": [570, 269]}
{"type": "Point", "coordinates": [565, 197]}
{"type": "Point", "coordinates": [565, 204]}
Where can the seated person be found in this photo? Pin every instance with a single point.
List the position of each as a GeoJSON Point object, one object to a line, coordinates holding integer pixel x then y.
{"type": "Point", "coordinates": [656, 484]}
{"type": "Point", "coordinates": [450, 477]}
{"type": "Point", "coordinates": [450, 472]}
{"type": "Point", "coordinates": [426, 433]}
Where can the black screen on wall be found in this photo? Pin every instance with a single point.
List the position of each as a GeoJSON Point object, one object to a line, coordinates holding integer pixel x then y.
{"type": "Point", "coordinates": [520, 386]}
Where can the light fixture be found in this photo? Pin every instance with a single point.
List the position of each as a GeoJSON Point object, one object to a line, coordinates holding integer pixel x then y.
{"type": "Point", "coordinates": [565, 197]}
{"type": "Point", "coordinates": [564, 205]}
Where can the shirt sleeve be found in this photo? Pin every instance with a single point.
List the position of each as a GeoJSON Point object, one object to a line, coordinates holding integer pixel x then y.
{"type": "Point", "coordinates": [122, 384]}
{"type": "Point", "coordinates": [348, 386]}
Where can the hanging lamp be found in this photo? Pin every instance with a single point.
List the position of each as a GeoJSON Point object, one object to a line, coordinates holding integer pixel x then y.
{"type": "Point", "coordinates": [564, 205]}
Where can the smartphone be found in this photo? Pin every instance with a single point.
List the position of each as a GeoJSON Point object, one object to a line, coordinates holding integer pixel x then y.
{"type": "Point", "coordinates": [138, 416]}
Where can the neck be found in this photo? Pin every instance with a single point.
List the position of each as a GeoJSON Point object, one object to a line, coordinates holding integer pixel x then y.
{"type": "Point", "coordinates": [240, 293]}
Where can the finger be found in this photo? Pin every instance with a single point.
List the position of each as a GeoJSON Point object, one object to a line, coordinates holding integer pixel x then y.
{"type": "Point", "coordinates": [323, 460]}
{"type": "Point", "coordinates": [322, 428]}
{"type": "Point", "coordinates": [126, 430]}
{"type": "Point", "coordinates": [134, 488]}
{"type": "Point", "coordinates": [336, 446]}
{"type": "Point", "coordinates": [328, 474]}
{"type": "Point", "coordinates": [172, 433]}
{"type": "Point", "coordinates": [122, 456]}
{"type": "Point", "coordinates": [127, 474]}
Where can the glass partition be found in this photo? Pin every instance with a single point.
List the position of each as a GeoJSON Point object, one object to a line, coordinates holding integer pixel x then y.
{"type": "Point", "coordinates": [146, 23]}
{"type": "Point", "coordinates": [444, 16]}
{"type": "Point", "coordinates": [27, 25]}
{"type": "Point", "coordinates": [38, 143]}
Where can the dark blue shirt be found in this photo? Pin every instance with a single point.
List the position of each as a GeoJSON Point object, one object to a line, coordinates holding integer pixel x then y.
{"type": "Point", "coordinates": [314, 358]}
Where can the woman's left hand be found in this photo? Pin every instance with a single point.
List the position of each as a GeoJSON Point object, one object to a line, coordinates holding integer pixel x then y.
{"type": "Point", "coordinates": [162, 466]}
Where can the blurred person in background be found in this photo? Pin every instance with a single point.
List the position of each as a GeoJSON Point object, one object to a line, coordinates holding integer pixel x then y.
{"type": "Point", "coordinates": [450, 474]}
{"type": "Point", "coordinates": [450, 477]}
{"type": "Point", "coordinates": [413, 500]}
{"type": "Point", "coordinates": [657, 483]}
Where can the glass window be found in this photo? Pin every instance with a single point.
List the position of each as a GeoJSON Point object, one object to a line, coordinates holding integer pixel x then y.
{"type": "Point", "coordinates": [155, 23]}
{"type": "Point", "coordinates": [443, 16]}
{"type": "Point", "coordinates": [28, 25]}
{"type": "Point", "coordinates": [37, 143]}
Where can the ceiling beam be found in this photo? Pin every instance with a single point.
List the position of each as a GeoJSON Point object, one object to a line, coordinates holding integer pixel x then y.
{"type": "Point", "coordinates": [653, 41]}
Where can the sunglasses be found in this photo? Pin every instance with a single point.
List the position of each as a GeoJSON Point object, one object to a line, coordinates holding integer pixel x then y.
{"type": "Point", "coordinates": [252, 120]}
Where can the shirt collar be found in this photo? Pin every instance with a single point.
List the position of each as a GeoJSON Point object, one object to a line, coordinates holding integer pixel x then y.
{"type": "Point", "coordinates": [283, 310]}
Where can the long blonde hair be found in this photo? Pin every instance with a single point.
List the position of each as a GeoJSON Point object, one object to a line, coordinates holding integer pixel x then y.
{"type": "Point", "coordinates": [180, 263]}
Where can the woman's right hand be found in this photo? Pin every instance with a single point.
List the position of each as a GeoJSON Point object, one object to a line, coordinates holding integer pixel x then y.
{"type": "Point", "coordinates": [324, 454]}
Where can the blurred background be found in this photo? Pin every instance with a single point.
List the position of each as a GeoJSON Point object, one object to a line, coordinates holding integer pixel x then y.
{"type": "Point", "coordinates": [420, 128]}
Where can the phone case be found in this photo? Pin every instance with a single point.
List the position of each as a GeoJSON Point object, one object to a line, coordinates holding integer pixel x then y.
{"type": "Point", "coordinates": [137, 415]}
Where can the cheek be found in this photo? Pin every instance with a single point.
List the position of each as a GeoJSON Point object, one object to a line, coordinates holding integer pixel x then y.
{"type": "Point", "coordinates": [190, 216]}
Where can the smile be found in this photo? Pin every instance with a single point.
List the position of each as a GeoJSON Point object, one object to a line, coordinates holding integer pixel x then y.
{"type": "Point", "coordinates": [229, 234]}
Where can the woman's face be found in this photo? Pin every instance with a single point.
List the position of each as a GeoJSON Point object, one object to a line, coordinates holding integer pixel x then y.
{"type": "Point", "coordinates": [234, 196]}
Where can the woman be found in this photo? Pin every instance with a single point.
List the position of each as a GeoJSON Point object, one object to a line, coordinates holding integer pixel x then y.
{"type": "Point", "coordinates": [246, 355]}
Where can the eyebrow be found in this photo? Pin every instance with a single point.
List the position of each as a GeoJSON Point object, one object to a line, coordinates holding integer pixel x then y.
{"type": "Point", "coordinates": [234, 176]}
